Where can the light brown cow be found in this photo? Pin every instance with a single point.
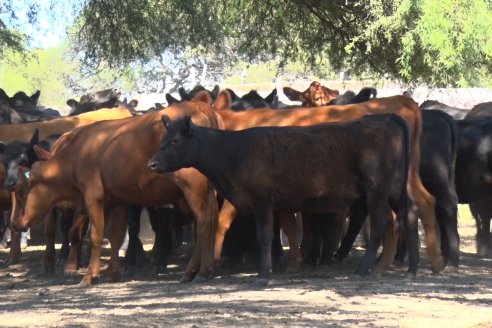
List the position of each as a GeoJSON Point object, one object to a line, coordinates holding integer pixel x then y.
{"type": "Point", "coordinates": [106, 164]}
{"type": "Point", "coordinates": [24, 132]}
{"type": "Point", "coordinates": [400, 105]}
{"type": "Point", "coordinates": [314, 96]}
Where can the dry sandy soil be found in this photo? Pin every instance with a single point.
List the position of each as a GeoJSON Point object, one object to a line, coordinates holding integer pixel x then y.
{"type": "Point", "coordinates": [330, 297]}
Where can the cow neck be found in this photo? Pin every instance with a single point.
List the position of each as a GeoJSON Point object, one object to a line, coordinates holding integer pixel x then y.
{"type": "Point", "coordinates": [213, 153]}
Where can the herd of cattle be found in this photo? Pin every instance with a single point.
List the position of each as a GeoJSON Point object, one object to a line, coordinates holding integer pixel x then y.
{"type": "Point", "coordinates": [213, 157]}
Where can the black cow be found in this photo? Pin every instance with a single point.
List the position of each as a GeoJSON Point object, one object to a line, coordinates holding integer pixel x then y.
{"type": "Point", "coordinates": [18, 157]}
{"type": "Point", "coordinates": [252, 100]}
{"type": "Point", "coordinates": [474, 175]}
{"type": "Point", "coordinates": [437, 168]}
{"type": "Point", "coordinates": [483, 110]}
{"type": "Point", "coordinates": [21, 108]}
{"type": "Point", "coordinates": [93, 101]}
{"type": "Point", "coordinates": [267, 168]}
{"type": "Point", "coordinates": [455, 112]}
{"type": "Point", "coordinates": [185, 96]}
{"type": "Point", "coordinates": [349, 97]}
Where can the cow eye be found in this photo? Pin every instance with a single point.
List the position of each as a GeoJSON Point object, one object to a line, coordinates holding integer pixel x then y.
{"type": "Point", "coordinates": [175, 141]}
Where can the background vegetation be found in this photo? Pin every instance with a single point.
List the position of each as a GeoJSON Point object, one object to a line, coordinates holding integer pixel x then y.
{"type": "Point", "coordinates": [156, 46]}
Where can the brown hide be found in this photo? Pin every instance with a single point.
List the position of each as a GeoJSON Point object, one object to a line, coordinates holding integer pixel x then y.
{"type": "Point", "coordinates": [106, 162]}
{"type": "Point", "coordinates": [315, 95]}
{"type": "Point", "coordinates": [24, 132]}
{"type": "Point", "coordinates": [400, 105]}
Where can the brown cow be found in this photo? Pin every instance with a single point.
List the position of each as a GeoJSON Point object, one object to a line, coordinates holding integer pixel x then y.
{"type": "Point", "coordinates": [105, 164]}
{"type": "Point", "coordinates": [400, 105]}
{"type": "Point", "coordinates": [314, 96]}
{"type": "Point", "coordinates": [24, 133]}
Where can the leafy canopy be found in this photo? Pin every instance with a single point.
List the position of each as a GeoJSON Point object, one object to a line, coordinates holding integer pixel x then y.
{"type": "Point", "coordinates": [439, 42]}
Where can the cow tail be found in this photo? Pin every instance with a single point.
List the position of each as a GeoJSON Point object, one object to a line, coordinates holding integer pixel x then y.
{"type": "Point", "coordinates": [404, 202]}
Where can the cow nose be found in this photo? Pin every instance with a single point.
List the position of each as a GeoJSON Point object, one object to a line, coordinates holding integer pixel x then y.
{"type": "Point", "coordinates": [152, 164]}
{"type": "Point", "coordinates": [17, 228]}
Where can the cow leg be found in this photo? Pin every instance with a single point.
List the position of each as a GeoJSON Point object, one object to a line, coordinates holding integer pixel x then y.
{"type": "Point", "coordinates": [447, 214]}
{"type": "Point", "coordinates": [389, 246]}
{"type": "Point", "coordinates": [333, 230]}
{"type": "Point", "coordinates": [426, 203]}
{"type": "Point", "coordinates": [311, 239]}
{"type": "Point", "coordinates": [66, 222]}
{"type": "Point", "coordinates": [116, 233]}
{"type": "Point", "coordinates": [15, 248]}
{"type": "Point", "coordinates": [227, 214]}
{"type": "Point", "coordinates": [380, 215]}
{"type": "Point", "coordinates": [200, 196]}
{"type": "Point", "coordinates": [482, 214]}
{"type": "Point", "coordinates": [135, 247]}
{"type": "Point", "coordinates": [49, 253]}
{"type": "Point", "coordinates": [161, 219]}
{"type": "Point", "coordinates": [412, 236]}
{"type": "Point", "coordinates": [76, 235]}
{"type": "Point", "coordinates": [358, 214]}
{"type": "Point", "coordinates": [96, 216]}
{"type": "Point", "coordinates": [289, 225]}
{"type": "Point", "coordinates": [264, 228]}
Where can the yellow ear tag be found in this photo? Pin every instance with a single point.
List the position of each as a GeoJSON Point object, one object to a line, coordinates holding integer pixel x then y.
{"type": "Point", "coordinates": [27, 174]}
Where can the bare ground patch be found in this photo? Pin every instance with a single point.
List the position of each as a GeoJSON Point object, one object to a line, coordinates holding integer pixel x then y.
{"type": "Point", "coordinates": [334, 296]}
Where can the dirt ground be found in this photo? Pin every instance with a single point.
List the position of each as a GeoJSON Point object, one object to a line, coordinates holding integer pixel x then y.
{"type": "Point", "coordinates": [330, 297]}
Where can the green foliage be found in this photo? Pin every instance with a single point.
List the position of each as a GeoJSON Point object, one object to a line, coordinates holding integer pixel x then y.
{"type": "Point", "coordinates": [442, 43]}
{"type": "Point", "coordinates": [43, 70]}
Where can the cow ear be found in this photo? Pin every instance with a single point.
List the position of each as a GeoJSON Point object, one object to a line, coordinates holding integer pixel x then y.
{"type": "Point", "coordinates": [133, 103]}
{"type": "Point", "coordinates": [293, 95]}
{"type": "Point", "coordinates": [4, 95]}
{"type": "Point", "coordinates": [183, 94]}
{"type": "Point", "coordinates": [2, 147]}
{"type": "Point", "coordinates": [158, 106]}
{"type": "Point", "coordinates": [42, 154]}
{"type": "Point", "coordinates": [203, 96]}
{"type": "Point", "coordinates": [234, 96]}
{"type": "Point", "coordinates": [170, 99]}
{"type": "Point", "coordinates": [272, 97]}
{"type": "Point", "coordinates": [166, 121]}
{"type": "Point", "coordinates": [72, 103]}
{"type": "Point", "coordinates": [223, 100]}
{"type": "Point", "coordinates": [188, 125]}
{"type": "Point", "coordinates": [35, 96]}
{"type": "Point", "coordinates": [215, 91]}
{"type": "Point", "coordinates": [35, 137]}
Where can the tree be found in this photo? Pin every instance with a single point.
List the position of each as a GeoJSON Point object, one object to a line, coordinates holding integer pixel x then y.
{"type": "Point", "coordinates": [439, 42]}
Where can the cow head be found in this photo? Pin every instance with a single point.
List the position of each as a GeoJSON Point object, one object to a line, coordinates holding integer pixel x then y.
{"type": "Point", "coordinates": [21, 102]}
{"type": "Point", "coordinates": [252, 100]}
{"type": "Point", "coordinates": [45, 187]}
{"type": "Point", "coordinates": [18, 154]}
{"type": "Point", "coordinates": [314, 96]}
{"type": "Point", "coordinates": [178, 148]}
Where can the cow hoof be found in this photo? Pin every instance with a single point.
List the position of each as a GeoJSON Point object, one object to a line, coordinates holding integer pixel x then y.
{"type": "Point", "coordinates": [293, 269]}
{"type": "Point", "coordinates": [261, 282]}
{"type": "Point", "coordinates": [199, 279]}
{"type": "Point", "coordinates": [438, 265]}
{"type": "Point", "coordinates": [185, 278]}
{"type": "Point", "coordinates": [450, 269]}
{"type": "Point", "coordinates": [129, 271]}
{"type": "Point", "coordinates": [88, 281]}
{"type": "Point", "coordinates": [160, 269]}
{"type": "Point", "coordinates": [61, 263]}
{"type": "Point", "coordinates": [49, 271]}
{"type": "Point", "coordinates": [484, 251]}
{"type": "Point", "coordinates": [410, 276]}
{"type": "Point", "coordinates": [115, 276]}
{"type": "Point", "coordinates": [362, 272]}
